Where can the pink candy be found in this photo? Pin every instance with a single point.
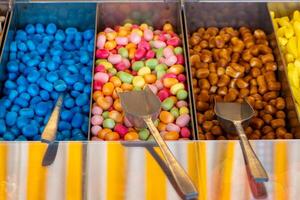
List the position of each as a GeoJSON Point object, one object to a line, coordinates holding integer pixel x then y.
{"type": "Point", "coordinates": [158, 44]}
{"type": "Point", "coordinates": [174, 41]}
{"type": "Point", "coordinates": [97, 120]}
{"type": "Point", "coordinates": [180, 59]}
{"type": "Point", "coordinates": [150, 54]}
{"type": "Point", "coordinates": [185, 132]}
{"type": "Point", "coordinates": [101, 39]}
{"type": "Point", "coordinates": [159, 84]}
{"type": "Point", "coordinates": [173, 127]}
{"type": "Point", "coordinates": [96, 139]}
{"type": "Point", "coordinates": [97, 85]}
{"type": "Point", "coordinates": [121, 40]}
{"type": "Point", "coordinates": [169, 75]}
{"type": "Point", "coordinates": [96, 110]}
{"type": "Point", "coordinates": [135, 38]}
{"type": "Point", "coordinates": [148, 34]}
{"type": "Point", "coordinates": [126, 62]}
{"type": "Point", "coordinates": [108, 30]}
{"type": "Point", "coordinates": [101, 77]}
{"type": "Point", "coordinates": [114, 58]}
{"type": "Point", "coordinates": [171, 60]}
{"type": "Point", "coordinates": [102, 53]}
{"type": "Point", "coordinates": [139, 54]}
{"type": "Point", "coordinates": [95, 130]}
{"type": "Point", "coordinates": [183, 120]}
{"type": "Point", "coordinates": [121, 129]}
{"type": "Point", "coordinates": [163, 94]}
{"type": "Point", "coordinates": [181, 78]}
{"type": "Point", "coordinates": [100, 68]}
{"type": "Point", "coordinates": [144, 45]}
{"type": "Point", "coordinates": [153, 88]}
{"type": "Point", "coordinates": [168, 52]}
{"type": "Point", "coordinates": [121, 66]}
{"type": "Point", "coordinates": [181, 103]}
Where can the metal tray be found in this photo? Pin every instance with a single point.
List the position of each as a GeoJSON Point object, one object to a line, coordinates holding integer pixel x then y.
{"type": "Point", "coordinates": [110, 14]}
{"type": "Point", "coordinates": [250, 14]}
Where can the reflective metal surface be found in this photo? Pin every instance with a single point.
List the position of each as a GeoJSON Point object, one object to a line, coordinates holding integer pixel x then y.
{"type": "Point", "coordinates": [114, 170]}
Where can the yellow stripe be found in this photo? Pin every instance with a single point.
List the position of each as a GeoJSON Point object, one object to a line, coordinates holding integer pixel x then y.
{"type": "Point", "coordinates": [280, 170]}
{"type": "Point", "coordinates": [36, 177]}
{"type": "Point", "coordinates": [156, 183]}
{"type": "Point", "coordinates": [197, 167]}
{"type": "Point", "coordinates": [74, 171]}
{"type": "Point", "coordinates": [3, 170]}
{"type": "Point", "coordinates": [116, 171]}
{"type": "Point", "coordinates": [226, 172]}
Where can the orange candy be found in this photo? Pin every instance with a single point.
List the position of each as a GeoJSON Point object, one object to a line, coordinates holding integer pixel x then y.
{"type": "Point", "coordinates": [130, 46]}
{"type": "Point", "coordinates": [111, 35]}
{"type": "Point", "coordinates": [97, 94]}
{"type": "Point", "coordinates": [110, 45]}
{"type": "Point", "coordinates": [117, 105]}
{"type": "Point", "coordinates": [116, 81]}
{"type": "Point", "coordinates": [172, 135]}
{"type": "Point", "coordinates": [115, 92]}
{"type": "Point", "coordinates": [103, 103]}
{"type": "Point", "coordinates": [166, 117]}
{"type": "Point", "coordinates": [174, 99]}
{"type": "Point", "coordinates": [168, 27]}
{"type": "Point", "coordinates": [110, 136]}
{"type": "Point", "coordinates": [116, 116]}
{"type": "Point", "coordinates": [131, 53]}
{"type": "Point", "coordinates": [176, 69]}
{"type": "Point", "coordinates": [169, 82]}
{"type": "Point", "coordinates": [149, 78]}
{"type": "Point", "coordinates": [131, 136]}
{"type": "Point", "coordinates": [108, 88]}
{"type": "Point", "coordinates": [103, 132]}
{"type": "Point", "coordinates": [126, 87]}
{"type": "Point", "coordinates": [161, 126]}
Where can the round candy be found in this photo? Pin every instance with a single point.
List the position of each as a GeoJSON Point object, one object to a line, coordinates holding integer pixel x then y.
{"type": "Point", "coordinates": [109, 123]}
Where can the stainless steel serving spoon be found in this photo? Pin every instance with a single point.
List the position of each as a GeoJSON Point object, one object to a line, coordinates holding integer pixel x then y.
{"type": "Point", "coordinates": [141, 108]}
{"type": "Point", "coordinates": [233, 117]}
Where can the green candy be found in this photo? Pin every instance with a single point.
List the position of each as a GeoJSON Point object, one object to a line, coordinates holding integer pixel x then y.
{"type": "Point", "coordinates": [137, 88]}
{"type": "Point", "coordinates": [123, 52]}
{"type": "Point", "coordinates": [151, 63]}
{"type": "Point", "coordinates": [167, 104]}
{"type": "Point", "coordinates": [178, 50]}
{"type": "Point", "coordinates": [156, 122]}
{"type": "Point", "coordinates": [137, 65]}
{"type": "Point", "coordinates": [150, 138]}
{"type": "Point", "coordinates": [109, 123]}
{"type": "Point", "coordinates": [159, 53]}
{"type": "Point", "coordinates": [105, 114]}
{"type": "Point", "coordinates": [181, 94]}
{"type": "Point", "coordinates": [98, 61]}
{"type": "Point", "coordinates": [160, 74]}
{"type": "Point", "coordinates": [125, 77]}
{"type": "Point", "coordinates": [175, 112]}
{"type": "Point", "coordinates": [160, 67]}
{"type": "Point", "coordinates": [112, 71]}
{"type": "Point", "coordinates": [144, 134]}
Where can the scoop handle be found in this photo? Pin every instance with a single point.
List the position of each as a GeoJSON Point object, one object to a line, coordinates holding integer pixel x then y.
{"type": "Point", "coordinates": [183, 181]}
{"type": "Point", "coordinates": [256, 169]}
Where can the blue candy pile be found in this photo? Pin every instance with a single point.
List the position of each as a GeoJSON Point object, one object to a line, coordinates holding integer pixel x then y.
{"type": "Point", "coordinates": [45, 61]}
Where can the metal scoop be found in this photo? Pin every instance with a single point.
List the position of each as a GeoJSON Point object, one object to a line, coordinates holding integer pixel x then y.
{"type": "Point", "coordinates": [141, 107]}
{"type": "Point", "coordinates": [233, 117]}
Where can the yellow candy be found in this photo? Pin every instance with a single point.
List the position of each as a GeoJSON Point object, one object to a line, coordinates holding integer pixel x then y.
{"type": "Point", "coordinates": [122, 32]}
{"type": "Point", "coordinates": [168, 27]}
{"type": "Point", "coordinates": [176, 69]}
{"type": "Point", "coordinates": [111, 35]}
{"type": "Point", "coordinates": [128, 25]}
{"type": "Point", "coordinates": [110, 45]}
{"type": "Point", "coordinates": [283, 21]}
{"type": "Point", "coordinates": [297, 63]}
{"type": "Point", "coordinates": [144, 70]}
{"type": "Point", "coordinates": [138, 31]}
{"type": "Point", "coordinates": [297, 33]}
{"type": "Point", "coordinates": [138, 81]}
{"type": "Point", "coordinates": [289, 57]}
{"type": "Point", "coordinates": [293, 75]}
{"type": "Point", "coordinates": [289, 32]}
{"type": "Point", "coordinates": [106, 64]}
{"type": "Point", "coordinates": [184, 110]}
{"type": "Point", "coordinates": [296, 15]}
{"type": "Point", "coordinates": [272, 13]}
{"type": "Point", "coordinates": [291, 46]}
{"type": "Point", "coordinates": [282, 41]}
{"type": "Point", "coordinates": [281, 31]}
{"type": "Point", "coordinates": [144, 26]}
{"type": "Point", "coordinates": [176, 87]}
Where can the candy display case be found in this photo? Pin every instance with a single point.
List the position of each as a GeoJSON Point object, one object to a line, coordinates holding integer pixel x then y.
{"type": "Point", "coordinates": [122, 169]}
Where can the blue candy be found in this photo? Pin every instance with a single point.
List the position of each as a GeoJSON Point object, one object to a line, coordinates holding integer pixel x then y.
{"type": "Point", "coordinates": [60, 35]}
{"type": "Point", "coordinates": [51, 28]}
{"type": "Point", "coordinates": [35, 100]}
{"type": "Point", "coordinates": [22, 121]}
{"type": "Point", "coordinates": [8, 137]}
{"type": "Point", "coordinates": [41, 109]}
{"type": "Point", "coordinates": [21, 138]}
{"type": "Point", "coordinates": [87, 89]}
{"type": "Point", "coordinates": [21, 102]}
{"type": "Point", "coordinates": [71, 31]}
{"type": "Point", "coordinates": [66, 134]}
{"type": "Point", "coordinates": [30, 29]}
{"type": "Point", "coordinates": [12, 94]}
{"type": "Point", "coordinates": [62, 125]}
{"type": "Point", "coordinates": [25, 96]}
{"type": "Point", "coordinates": [54, 95]}
{"type": "Point", "coordinates": [44, 95]}
{"type": "Point", "coordinates": [22, 88]}
{"type": "Point", "coordinates": [82, 99]}
{"type": "Point", "coordinates": [33, 90]}
{"type": "Point", "coordinates": [2, 127]}
{"type": "Point", "coordinates": [15, 108]}
{"type": "Point", "coordinates": [27, 112]}
{"type": "Point", "coordinates": [22, 80]}
{"type": "Point", "coordinates": [11, 118]}
{"type": "Point", "coordinates": [46, 85]}
{"type": "Point", "coordinates": [52, 76]}
{"type": "Point", "coordinates": [6, 103]}
{"type": "Point", "coordinates": [78, 86]}
{"type": "Point", "coordinates": [15, 131]}
{"type": "Point", "coordinates": [33, 76]}
{"type": "Point", "coordinates": [86, 108]}
{"type": "Point", "coordinates": [75, 94]}
{"type": "Point", "coordinates": [2, 110]}
{"type": "Point", "coordinates": [33, 62]}
{"type": "Point", "coordinates": [88, 34]}
{"type": "Point", "coordinates": [60, 85]}
{"type": "Point", "coordinates": [71, 79]}
{"type": "Point", "coordinates": [22, 46]}
{"type": "Point", "coordinates": [66, 115]}
{"type": "Point", "coordinates": [30, 44]}
{"type": "Point", "coordinates": [13, 46]}
{"type": "Point", "coordinates": [12, 66]}
{"type": "Point", "coordinates": [36, 138]}
{"type": "Point", "coordinates": [77, 120]}
{"type": "Point", "coordinates": [39, 28]}
{"type": "Point", "coordinates": [69, 102]}
{"type": "Point", "coordinates": [10, 84]}
{"type": "Point", "coordinates": [30, 130]}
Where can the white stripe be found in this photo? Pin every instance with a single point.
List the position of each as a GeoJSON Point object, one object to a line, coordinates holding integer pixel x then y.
{"type": "Point", "coordinates": [135, 173]}
{"type": "Point", "coordinates": [293, 171]}
{"type": "Point", "coordinates": [17, 171]}
{"type": "Point", "coordinates": [55, 185]}
{"type": "Point", "coordinates": [96, 170]}
{"type": "Point", "coordinates": [174, 147]}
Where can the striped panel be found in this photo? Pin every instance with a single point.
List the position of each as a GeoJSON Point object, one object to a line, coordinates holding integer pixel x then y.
{"type": "Point", "coordinates": [280, 171]}
{"type": "Point", "coordinates": [155, 178]}
{"type": "Point", "coordinates": [116, 171]}
{"type": "Point", "coordinates": [36, 173]}
{"type": "Point", "coordinates": [3, 171]}
{"type": "Point", "coordinates": [74, 171]}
